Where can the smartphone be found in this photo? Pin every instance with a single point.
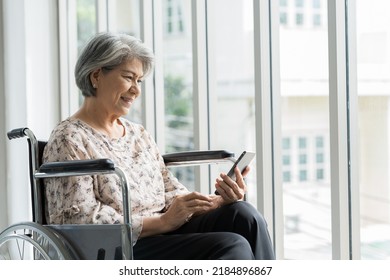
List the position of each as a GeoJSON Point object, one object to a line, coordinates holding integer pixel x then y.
{"type": "Point", "coordinates": [242, 162]}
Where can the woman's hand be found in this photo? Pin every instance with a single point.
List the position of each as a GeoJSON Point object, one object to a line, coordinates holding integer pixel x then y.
{"type": "Point", "coordinates": [230, 190]}
{"type": "Point", "coordinates": [184, 207]}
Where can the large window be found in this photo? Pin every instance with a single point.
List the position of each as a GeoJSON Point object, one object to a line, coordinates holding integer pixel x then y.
{"type": "Point", "coordinates": [227, 80]}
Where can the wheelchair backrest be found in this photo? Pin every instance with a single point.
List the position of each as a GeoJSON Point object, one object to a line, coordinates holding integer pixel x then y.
{"type": "Point", "coordinates": [37, 186]}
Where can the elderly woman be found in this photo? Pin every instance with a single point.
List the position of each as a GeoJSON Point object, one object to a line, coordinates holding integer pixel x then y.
{"type": "Point", "coordinates": [168, 221]}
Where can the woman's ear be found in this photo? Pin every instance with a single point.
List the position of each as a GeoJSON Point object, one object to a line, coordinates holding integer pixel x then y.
{"type": "Point", "coordinates": [94, 77]}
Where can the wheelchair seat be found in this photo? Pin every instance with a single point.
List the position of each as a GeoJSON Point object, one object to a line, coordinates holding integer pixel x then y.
{"type": "Point", "coordinates": [38, 240]}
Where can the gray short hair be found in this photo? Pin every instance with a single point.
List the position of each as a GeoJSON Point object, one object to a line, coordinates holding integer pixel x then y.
{"type": "Point", "coordinates": [107, 51]}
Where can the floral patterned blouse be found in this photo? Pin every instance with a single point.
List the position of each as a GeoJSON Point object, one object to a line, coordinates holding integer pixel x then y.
{"type": "Point", "coordinates": [98, 199]}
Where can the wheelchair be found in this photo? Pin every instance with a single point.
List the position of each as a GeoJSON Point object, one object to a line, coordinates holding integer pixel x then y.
{"type": "Point", "coordinates": [37, 240]}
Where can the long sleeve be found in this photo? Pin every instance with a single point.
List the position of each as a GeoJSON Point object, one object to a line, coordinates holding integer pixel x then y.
{"type": "Point", "coordinates": [76, 199]}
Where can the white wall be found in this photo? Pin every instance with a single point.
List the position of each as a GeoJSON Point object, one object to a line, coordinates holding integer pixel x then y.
{"type": "Point", "coordinates": [30, 94]}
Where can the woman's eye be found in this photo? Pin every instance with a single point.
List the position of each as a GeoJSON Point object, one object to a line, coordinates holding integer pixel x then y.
{"type": "Point", "coordinates": [132, 78]}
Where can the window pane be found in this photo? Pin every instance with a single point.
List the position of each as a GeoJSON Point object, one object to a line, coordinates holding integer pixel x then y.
{"type": "Point", "coordinates": [302, 159]}
{"type": "Point", "coordinates": [319, 142]}
{"type": "Point", "coordinates": [286, 160]}
{"type": "Point", "coordinates": [316, 20]}
{"type": "Point", "coordinates": [286, 176]}
{"type": "Point", "coordinates": [286, 143]}
{"type": "Point", "coordinates": [86, 27]}
{"type": "Point", "coordinates": [303, 175]}
{"type": "Point", "coordinates": [174, 20]}
{"type": "Point", "coordinates": [299, 19]}
{"type": "Point", "coordinates": [283, 18]}
{"type": "Point", "coordinates": [302, 142]}
{"type": "Point", "coordinates": [373, 31]}
{"type": "Point", "coordinates": [320, 158]}
{"type": "Point", "coordinates": [320, 174]}
{"type": "Point", "coordinates": [305, 121]}
{"type": "Point", "coordinates": [299, 3]}
{"type": "Point", "coordinates": [316, 4]}
{"type": "Point", "coordinates": [177, 40]}
{"type": "Point", "coordinates": [86, 21]}
{"type": "Point", "coordinates": [232, 86]}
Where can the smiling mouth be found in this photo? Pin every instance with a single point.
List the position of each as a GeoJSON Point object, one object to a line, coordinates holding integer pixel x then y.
{"type": "Point", "coordinates": [127, 100]}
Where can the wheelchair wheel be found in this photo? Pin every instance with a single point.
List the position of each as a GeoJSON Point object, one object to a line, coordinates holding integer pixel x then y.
{"type": "Point", "coordinates": [32, 241]}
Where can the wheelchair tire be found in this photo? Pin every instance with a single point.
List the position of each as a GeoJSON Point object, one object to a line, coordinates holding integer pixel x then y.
{"type": "Point", "coordinates": [32, 241]}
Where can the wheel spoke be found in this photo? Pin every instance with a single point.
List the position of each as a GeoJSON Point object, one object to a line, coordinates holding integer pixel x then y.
{"type": "Point", "coordinates": [20, 254]}
{"type": "Point", "coordinates": [31, 241]}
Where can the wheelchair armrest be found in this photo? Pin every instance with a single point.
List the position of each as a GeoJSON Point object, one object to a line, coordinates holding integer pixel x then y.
{"type": "Point", "coordinates": [87, 167]}
{"type": "Point", "coordinates": [75, 168]}
{"type": "Point", "coordinates": [197, 157]}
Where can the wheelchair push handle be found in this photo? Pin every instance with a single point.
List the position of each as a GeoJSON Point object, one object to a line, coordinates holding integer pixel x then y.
{"type": "Point", "coordinates": [17, 133]}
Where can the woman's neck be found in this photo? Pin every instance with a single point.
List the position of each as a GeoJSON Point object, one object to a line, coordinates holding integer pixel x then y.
{"type": "Point", "coordinates": [110, 126]}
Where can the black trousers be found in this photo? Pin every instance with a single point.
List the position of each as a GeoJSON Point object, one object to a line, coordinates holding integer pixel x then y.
{"type": "Point", "coordinates": [233, 232]}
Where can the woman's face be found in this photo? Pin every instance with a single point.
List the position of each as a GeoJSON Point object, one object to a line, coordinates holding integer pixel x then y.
{"type": "Point", "coordinates": [116, 90]}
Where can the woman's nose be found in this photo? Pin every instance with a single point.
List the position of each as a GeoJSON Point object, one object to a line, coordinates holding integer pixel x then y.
{"type": "Point", "coordinates": [135, 89]}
